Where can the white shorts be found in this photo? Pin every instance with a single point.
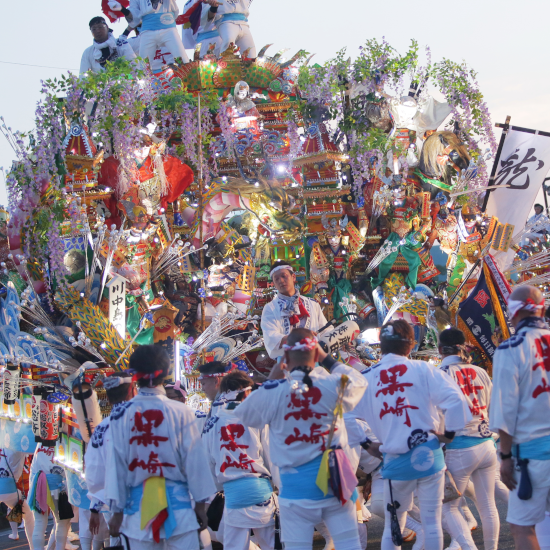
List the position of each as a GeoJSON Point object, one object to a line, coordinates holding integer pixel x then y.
{"type": "Point", "coordinates": [532, 511]}
{"type": "Point", "coordinates": [187, 541]}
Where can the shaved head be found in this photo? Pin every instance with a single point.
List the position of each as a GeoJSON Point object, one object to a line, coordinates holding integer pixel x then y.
{"type": "Point", "coordinates": [302, 357]}
{"type": "Point", "coordinates": [524, 292]}
{"type": "Point", "coordinates": [525, 301]}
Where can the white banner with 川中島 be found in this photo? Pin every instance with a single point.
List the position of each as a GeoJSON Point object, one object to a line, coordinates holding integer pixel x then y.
{"type": "Point", "coordinates": [522, 166]}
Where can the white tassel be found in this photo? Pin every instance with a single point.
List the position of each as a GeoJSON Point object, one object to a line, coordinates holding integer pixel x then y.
{"type": "Point", "coordinates": [164, 187]}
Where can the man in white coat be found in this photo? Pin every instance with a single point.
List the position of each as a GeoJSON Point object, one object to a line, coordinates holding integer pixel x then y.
{"type": "Point", "coordinates": [520, 407]}
{"type": "Point", "coordinates": [158, 26]}
{"type": "Point", "coordinates": [120, 389]}
{"type": "Point", "coordinates": [157, 464]}
{"type": "Point", "coordinates": [299, 410]}
{"type": "Point", "coordinates": [232, 21]}
{"type": "Point", "coordinates": [401, 406]}
{"type": "Point", "coordinates": [207, 34]}
{"type": "Point", "coordinates": [105, 48]}
{"type": "Point", "coordinates": [471, 454]}
{"type": "Point", "coordinates": [240, 465]}
{"type": "Point", "coordinates": [288, 310]}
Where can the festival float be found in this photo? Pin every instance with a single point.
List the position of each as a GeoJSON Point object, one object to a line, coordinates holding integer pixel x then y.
{"type": "Point", "coordinates": [148, 208]}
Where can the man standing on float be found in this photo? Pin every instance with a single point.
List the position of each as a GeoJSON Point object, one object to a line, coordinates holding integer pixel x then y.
{"type": "Point", "coordinates": [288, 310]}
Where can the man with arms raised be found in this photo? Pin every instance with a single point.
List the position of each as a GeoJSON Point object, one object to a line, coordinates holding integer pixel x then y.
{"type": "Point", "coordinates": [299, 410]}
{"type": "Point", "coordinates": [520, 411]}
{"type": "Point", "coordinates": [288, 310]}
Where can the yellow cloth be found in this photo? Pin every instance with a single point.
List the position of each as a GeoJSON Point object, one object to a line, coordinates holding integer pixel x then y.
{"type": "Point", "coordinates": [323, 474]}
{"type": "Point", "coordinates": [154, 499]}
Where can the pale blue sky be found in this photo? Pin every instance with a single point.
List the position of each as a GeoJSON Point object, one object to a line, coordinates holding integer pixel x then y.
{"type": "Point", "coordinates": [505, 41]}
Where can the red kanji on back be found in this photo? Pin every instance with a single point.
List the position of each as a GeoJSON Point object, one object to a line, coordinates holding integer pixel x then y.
{"type": "Point", "coordinates": [315, 436]}
{"type": "Point", "coordinates": [303, 404]}
{"type": "Point", "coordinates": [145, 422]}
{"type": "Point", "coordinates": [229, 433]}
{"type": "Point", "coordinates": [151, 466]}
{"type": "Point", "coordinates": [389, 377]}
{"type": "Point", "coordinates": [398, 410]}
{"type": "Point", "coordinates": [543, 361]}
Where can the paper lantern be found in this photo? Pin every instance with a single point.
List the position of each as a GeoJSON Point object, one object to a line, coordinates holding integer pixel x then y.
{"type": "Point", "coordinates": [86, 400]}
{"type": "Point", "coordinates": [35, 414]}
{"type": "Point", "coordinates": [333, 339]}
{"type": "Point", "coordinates": [11, 384]}
{"type": "Point", "coordinates": [49, 421]}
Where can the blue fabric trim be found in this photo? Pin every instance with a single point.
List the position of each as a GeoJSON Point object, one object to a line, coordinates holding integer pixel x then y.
{"type": "Point", "coordinates": [234, 17]}
{"type": "Point", "coordinates": [536, 449]}
{"type": "Point", "coordinates": [158, 21]}
{"type": "Point", "coordinates": [466, 441]}
{"type": "Point", "coordinates": [246, 491]}
{"type": "Point", "coordinates": [7, 485]}
{"type": "Point", "coordinates": [302, 482]}
{"type": "Point", "coordinates": [207, 35]}
{"type": "Point", "coordinates": [422, 461]}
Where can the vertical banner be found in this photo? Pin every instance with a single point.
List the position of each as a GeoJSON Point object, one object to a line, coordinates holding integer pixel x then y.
{"type": "Point", "coordinates": [117, 303]}
{"type": "Point", "coordinates": [522, 166]}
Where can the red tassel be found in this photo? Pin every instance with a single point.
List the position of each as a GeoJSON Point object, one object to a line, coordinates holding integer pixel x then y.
{"type": "Point", "coordinates": [294, 319]}
{"type": "Point", "coordinates": [303, 310]}
{"type": "Point", "coordinates": [158, 522]}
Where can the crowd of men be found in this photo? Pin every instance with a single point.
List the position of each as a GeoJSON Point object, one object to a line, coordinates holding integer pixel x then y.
{"type": "Point", "coordinates": [157, 39]}
{"type": "Point", "coordinates": [271, 462]}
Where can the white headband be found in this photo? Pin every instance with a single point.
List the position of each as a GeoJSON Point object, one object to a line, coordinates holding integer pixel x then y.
{"type": "Point", "coordinates": [517, 305]}
{"type": "Point", "coordinates": [115, 381]}
{"type": "Point", "coordinates": [279, 267]}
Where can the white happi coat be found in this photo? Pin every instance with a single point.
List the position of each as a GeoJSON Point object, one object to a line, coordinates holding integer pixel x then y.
{"type": "Point", "coordinates": [402, 399]}
{"type": "Point", "coordinates": [140, 8]}
{"type": "Point", "coordinates": [235, 6]}
{"type": "Point", "coordinates": [276, 325]}
{"type": "Point", "coordinates": [299, 424]}
{"type": "Point", "coordinates": [237, 451]}
{"type": "Point", "coordinates": [92, 55]}
{"type": "Point", "coordinates": [96, 459]}
{"type": "Point", "coordinates": [11, 462]}
{"type": "Point", "coordinates": [155, 437]}
{"type": "Point", "coordinates": [188, 38]}
{"type": "Point", "coordinates": [476, 387]}
{"type": "Point", "coordinates": [520, 403]}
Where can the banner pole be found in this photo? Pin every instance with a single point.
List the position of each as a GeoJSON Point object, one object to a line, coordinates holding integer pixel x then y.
{"type": "Point", "coordinates": [505, 128]}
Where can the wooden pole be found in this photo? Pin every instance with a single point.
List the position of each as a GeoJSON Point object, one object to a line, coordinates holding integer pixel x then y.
{"type": "Point", "coordinates": [505, 127]}
{"type": "Point", "coordinates": [201, 211]}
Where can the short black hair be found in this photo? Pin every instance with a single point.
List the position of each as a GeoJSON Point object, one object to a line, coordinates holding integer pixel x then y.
{"type": "Point", "coordinates": [452, 337]}
{"type": "Point", "coordinates": [215, 367]}
{"type": "Point", "coordinates": [400, 341]}
{"type": "Point", "coordinates": [236, 380]}
{"type": "Point", "coordinates": [539, 205]}
{"type": "Point", "coordinates": [118, 394]}
{"type": "Point", "coordinates": [96, 20]}
{"type": "Point", "coordinates": [147, 360]}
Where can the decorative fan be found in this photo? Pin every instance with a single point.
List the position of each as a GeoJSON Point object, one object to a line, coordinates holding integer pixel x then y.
{"type": "Point", "coordinates": [221, 348]}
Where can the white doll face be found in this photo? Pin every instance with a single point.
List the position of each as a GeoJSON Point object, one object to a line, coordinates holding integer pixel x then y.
{"type": "Point", "coordinates": [334, 241]}
{"type": "Point", "coordinates": [241, 92]}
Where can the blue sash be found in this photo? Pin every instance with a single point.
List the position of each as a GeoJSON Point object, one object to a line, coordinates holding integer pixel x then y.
{"type": "Point", "coordinates": [55, 481]}
{"type": "Point", "coordinates": [77, 491]}
{"type": "Point", "coordinates": [158, 21]}
{"type": "Point", "coordinates": [302, 482]}
{"type": "Point", "coordinates": [466, 441]}
{"type": "Point", "coordinates": [177, 495]}
{"type": "Point", "coordinates": [202, 36]}
{"type": "Point", "coordinates": [422, 461]}
{"type": "Point", "coordinates": [234, 17]}
{"type": "Point", "coordinates": [7, 485]}
{"type": "Point", "coordinates": [246, 491]}
{"type": "Point", "coordinates": [536, 449]}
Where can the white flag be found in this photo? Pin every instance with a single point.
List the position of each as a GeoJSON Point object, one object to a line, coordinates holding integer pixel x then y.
{"type": "Point", "coordinates": [522, 167]}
